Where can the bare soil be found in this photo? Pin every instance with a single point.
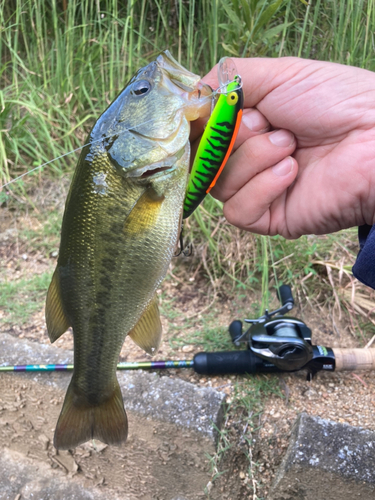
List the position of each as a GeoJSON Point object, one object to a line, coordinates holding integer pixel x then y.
{"type": "Point", "coordinates": [157, 460]}
{"type": "Point", "coordinates": [246, 468]}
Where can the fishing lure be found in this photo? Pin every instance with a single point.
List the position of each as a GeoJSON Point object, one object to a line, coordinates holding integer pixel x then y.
{"type": "Point", "coordinates": [218, 138]}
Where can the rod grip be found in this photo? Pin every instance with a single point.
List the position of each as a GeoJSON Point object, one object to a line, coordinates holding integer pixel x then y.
{"type": "Point", "coordinates": [240, 362]}
{"type": "Point", "coordinates": [354, 359]}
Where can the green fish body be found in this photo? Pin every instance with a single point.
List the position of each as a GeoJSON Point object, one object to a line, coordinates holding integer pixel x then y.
{"type": "Point", "coordinates": [120, 228]}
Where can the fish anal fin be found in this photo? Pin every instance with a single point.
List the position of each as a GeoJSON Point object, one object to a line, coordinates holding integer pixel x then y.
{"type": "Point", "coordinates": [80, 422]}
{"type": "Point", "coordinates": [57, 322]}
{"type": "Point", "coordinates": [147, 332]}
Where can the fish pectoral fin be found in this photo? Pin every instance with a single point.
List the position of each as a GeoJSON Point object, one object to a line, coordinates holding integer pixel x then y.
{"type": "Point", "coordinates": [147, 332]}
{"type": "Point", "coordinates": [145, 213]}
{"type": "Point", "coordinates": [79, 421]}
{"type": "Point", "coordinates": [57, 322]}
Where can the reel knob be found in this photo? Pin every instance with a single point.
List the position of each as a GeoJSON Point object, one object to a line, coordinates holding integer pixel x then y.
{"type": "Point", "coordinates": [235, 330]}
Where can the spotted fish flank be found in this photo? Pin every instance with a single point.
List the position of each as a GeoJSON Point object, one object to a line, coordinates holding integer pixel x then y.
{"type": "Point", "coordinates": [120, 227]}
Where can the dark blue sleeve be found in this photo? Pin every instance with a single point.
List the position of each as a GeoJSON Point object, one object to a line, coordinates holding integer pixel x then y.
{"type": "Point", "coordinates": [364, 267]}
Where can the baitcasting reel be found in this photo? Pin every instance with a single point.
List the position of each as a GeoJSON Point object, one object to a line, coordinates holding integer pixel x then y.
{"type": "Point", "coordinates": [283, 341]}
{"type": "Point", "coordinates": [274, 343]}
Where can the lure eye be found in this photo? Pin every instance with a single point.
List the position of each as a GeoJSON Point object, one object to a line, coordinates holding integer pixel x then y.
{"type": "Point", "coordinates": [141, 87]}
{"type": "Point", "coordinates": [232, 98]}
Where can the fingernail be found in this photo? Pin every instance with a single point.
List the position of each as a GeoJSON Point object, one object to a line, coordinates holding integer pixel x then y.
{"type": "Point", "coordinates": [255, 121]}
{"type": "Point", "coordinates": [282, 138]}
{"type": "Point", "coordinates": [284, 167]}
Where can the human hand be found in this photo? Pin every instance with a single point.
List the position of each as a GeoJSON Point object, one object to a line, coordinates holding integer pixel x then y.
{"type": "Point", "coordinates": [328, 183]}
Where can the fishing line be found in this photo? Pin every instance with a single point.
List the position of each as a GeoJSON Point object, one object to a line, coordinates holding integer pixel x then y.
{"type": "Point", "coordinates": [44, 164]}
{"type": "Point", "coordinates": [70, 152]}
{"type": "Point", "coordinates": [273, 262]}
{"type": "Point", "coordinates": [219, 90]}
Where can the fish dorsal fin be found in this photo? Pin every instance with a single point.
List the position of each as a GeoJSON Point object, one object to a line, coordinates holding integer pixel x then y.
{"type": "Point", "coordinates": [147, 332]}
{"type": "Point", "coordinates": [57, 322]}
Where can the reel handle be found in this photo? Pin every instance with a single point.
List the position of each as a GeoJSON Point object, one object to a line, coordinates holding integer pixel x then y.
{"type": "Point", "coordinates": [354, 359]}
{"type": "Point", "coordinates": [235, 331]}
{"type": "Point", "coordinates": [285, 296]}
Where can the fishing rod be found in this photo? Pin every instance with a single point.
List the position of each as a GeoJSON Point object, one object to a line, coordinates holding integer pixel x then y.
{"type": "Point", "coordinates": [274, 342]}
{"type": "Point", "coordinates": [279, 343]}
{"type": "Point", "coordinates": [127, 365]}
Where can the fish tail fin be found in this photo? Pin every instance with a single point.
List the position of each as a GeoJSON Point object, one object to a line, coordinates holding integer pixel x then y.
{"type": "Point", "coordinates": [79, 421]}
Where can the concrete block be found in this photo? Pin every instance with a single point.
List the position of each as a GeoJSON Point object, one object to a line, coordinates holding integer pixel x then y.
{"type": "Point", "coordinates": [326, 460]}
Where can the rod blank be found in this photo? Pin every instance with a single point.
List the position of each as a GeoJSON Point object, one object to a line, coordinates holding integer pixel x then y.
{"type": "Point", "coordinates": [130, 365]}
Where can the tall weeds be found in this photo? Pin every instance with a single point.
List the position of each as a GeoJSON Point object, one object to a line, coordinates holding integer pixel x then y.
{"type": "Point", "coordinates": [60, 68]}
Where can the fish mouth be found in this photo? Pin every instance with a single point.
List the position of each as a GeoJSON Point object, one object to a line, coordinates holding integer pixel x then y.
{"type": "Point", "coordinates": [156, 169]}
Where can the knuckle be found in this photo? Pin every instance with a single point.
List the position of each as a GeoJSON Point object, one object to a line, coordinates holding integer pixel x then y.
{"type": "Point", "coordinates": [251, 150]}
{"type": "Point", "coordinates": [232, 215]}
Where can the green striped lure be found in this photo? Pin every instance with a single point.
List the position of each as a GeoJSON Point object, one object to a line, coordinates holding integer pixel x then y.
{"type": "Point", "coordinates": [218, 138]}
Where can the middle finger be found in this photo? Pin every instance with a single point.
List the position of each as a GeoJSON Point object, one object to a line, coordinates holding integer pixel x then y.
{"type": "Point", "coordinates": [253, 156]}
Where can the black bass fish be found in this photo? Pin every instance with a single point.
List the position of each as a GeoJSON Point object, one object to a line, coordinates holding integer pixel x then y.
{"type": "Point", "coordinates": [120, 227]}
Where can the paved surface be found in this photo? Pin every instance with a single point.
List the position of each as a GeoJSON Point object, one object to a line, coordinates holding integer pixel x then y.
{"type": "Point", "coordinates": [326, 461]}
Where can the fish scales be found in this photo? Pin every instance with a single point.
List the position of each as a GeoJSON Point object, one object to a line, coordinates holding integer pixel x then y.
{"type": "Point", "coordinates": [120, 227]}
{"type": "Point", "coordinates": [101, 269]}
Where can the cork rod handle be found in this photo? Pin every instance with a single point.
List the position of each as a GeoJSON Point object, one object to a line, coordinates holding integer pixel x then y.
{"type": "Point", "coordinates": [354, 359]}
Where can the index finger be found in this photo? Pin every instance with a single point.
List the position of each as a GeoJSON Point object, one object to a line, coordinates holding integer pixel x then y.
{"type": "Point", "coordinates": [297, 94]}
{"type": "Point", "coordinates": [261, 75]}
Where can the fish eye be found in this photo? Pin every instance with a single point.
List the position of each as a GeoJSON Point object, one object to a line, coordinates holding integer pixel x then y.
{"type": "Point", "coordinates": [141, 87]}
{"type": "Point", "coordinates": [232, 98]}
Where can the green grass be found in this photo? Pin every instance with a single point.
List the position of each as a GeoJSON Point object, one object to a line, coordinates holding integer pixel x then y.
{"type": "Point", "coordinates": [241, 422]}
{"type": "Point", "coordinates": [60, 69]}
{"type": "Point", "coordinates": [44, 239]}
{"type": "Point", "coordinates": [206, 339]}
{"type": "Point", "coordinates": [19, 300]}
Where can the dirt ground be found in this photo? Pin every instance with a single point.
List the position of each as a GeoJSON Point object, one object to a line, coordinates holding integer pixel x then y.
{"type": "Point", "coordinates": [156, 454]}
{"type": "Point", "coordinates": [247, 467]}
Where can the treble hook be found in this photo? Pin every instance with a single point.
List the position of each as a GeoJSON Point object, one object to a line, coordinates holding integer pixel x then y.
{"type": "Point", "coordinates": [188, 250]}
